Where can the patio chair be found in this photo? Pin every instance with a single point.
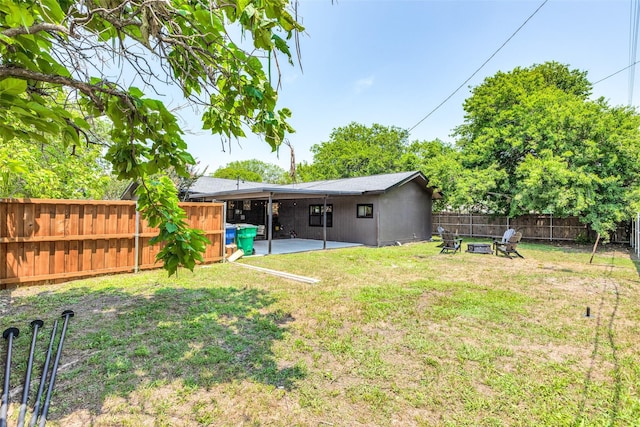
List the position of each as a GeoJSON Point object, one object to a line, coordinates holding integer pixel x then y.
{"type": "Point", "coordinates": [450, 243]}
{"type": "Point", "coordinates": [510, 246]}
{"type": "Point", "coordinates": [441, 231]}
{"type": "Point", "coordinates": [261, 233]}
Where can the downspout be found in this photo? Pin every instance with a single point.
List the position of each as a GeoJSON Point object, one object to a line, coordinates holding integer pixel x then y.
{"type": "Point", "coordinates": [324, 224]}
{"type": "Point", "coordinates": [270, 221]}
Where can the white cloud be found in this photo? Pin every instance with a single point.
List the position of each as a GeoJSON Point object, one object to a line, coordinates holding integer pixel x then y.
{"type": "Point", "coordinates": [363, 84]}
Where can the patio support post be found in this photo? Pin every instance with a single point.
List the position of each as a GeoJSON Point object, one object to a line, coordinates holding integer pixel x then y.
{"type": "Point", "coordinates": [324, 224]}
{"type": "Point", "coordinates": [270, 221]}
{"type": "Point", "coordinates": [224, 232]}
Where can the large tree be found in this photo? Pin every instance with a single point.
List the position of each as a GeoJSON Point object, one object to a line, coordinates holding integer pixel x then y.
{"type": "Point", "coordinates": [357, 150]}
{"type": "Point", "coordinates": [533, 141]}
{"type": "Point", "coordinates": [53, 52]}
{"type": "Point", "coordinates": [253, 170]}
{"type": "Point", "coordinates": [440, 163]}
{"type": "Point", "coordinates": [51, 170]}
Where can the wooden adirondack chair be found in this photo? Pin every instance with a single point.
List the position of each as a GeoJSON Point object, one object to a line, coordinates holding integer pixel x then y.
{"type": "Point", "coordinates": [441, 231]}
{"type": "Point", "coordinates": [450, 243]}
{"type": "Point", "coordinates": [510, 246]}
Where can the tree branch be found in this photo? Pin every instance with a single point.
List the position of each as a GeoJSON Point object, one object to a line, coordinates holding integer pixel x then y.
{"type": "Point", "coordinates": [84, 87]}
{"type": "Point", "coordinates": [17, 31]}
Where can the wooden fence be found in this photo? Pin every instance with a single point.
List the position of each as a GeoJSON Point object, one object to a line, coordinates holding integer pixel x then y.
{"type": "Point", "coordinates": [55, 240]}
{"type": "Point", "coordinates": [533, 227]}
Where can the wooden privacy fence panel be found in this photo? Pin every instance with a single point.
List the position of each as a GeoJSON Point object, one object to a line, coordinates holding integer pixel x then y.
{"type": "Point", "coordinates": [54, 240]}
{"type": "Point", "coordinates": [203, 216]}
{"type": "Point", "coordinates": [533, 227]}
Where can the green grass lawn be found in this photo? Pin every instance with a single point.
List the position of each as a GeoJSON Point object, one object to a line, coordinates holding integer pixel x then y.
{"type": "Point", "coordinates": [390, 336]}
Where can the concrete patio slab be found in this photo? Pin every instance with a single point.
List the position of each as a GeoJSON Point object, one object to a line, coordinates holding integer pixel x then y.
{"type": "Point", "coordinates": [288, 246]}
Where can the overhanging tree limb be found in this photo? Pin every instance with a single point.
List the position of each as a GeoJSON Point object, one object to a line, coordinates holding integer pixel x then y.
{"type": "Point", "coordinates": [53, 47]}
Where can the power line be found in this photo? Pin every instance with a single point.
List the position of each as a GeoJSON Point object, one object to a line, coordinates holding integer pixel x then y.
{"type": "Point", "coordinates": [634, 22]}
{"type": "Point", "coordinates": [479, 68]}
{"type": "Point", "coordinates": [617, 72]}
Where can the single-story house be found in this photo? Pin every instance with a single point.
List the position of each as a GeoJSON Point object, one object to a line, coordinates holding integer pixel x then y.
{"type": "Point", "coordinates": [375, 210]}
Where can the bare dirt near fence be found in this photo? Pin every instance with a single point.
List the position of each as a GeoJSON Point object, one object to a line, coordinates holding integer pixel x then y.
{"type": "Point", "coordinates": [390, 336]}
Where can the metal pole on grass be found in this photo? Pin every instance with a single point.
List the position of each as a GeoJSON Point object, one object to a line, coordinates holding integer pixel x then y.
{"type": "Point", "coordinates": [43, 378]}
{"type": "Point", "coordinates": [36, 325]}
{"type": "Point", "coordinates": [8, 334]}
{"type": "Point", "coordinates": [45, 408]}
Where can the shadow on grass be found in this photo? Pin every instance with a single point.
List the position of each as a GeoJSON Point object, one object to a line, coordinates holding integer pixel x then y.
{"type": "Point", "coordinates": [119, 343]}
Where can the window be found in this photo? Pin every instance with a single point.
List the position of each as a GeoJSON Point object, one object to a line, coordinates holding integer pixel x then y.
{"type": "Point", "coordinates": [365, 211]}
{"type": "Point", "coordinates": [316, 214]}
{"type": "Point", "coordinates": [231, 210]}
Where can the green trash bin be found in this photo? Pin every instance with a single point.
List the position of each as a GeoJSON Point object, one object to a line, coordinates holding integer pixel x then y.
{"type": "Point", "coordinates": [245, 236]}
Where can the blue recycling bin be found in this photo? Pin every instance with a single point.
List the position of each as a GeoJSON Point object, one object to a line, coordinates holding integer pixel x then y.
{"type": "Point", "coordinates": [230, 234]}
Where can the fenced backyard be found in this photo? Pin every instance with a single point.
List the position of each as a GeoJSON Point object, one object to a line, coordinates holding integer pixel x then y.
{"type": "Point", "coordinates": [53, 240]}
{"type": "Point", "coordinates": [392, 336]}
{"type": "Point", "coordinates": [533, 227]}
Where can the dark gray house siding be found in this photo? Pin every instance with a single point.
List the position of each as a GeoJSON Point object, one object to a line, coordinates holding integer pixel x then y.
{"type": "Point", "coordinates": [404, 215]}
{"type": "Point", "coordinates": [346, 227]}
{"type": "Point", "coordinates": [401, 215]}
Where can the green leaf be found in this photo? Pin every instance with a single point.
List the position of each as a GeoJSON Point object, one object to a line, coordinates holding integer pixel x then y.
{"type": "Point", "coordinates": [135, 92]}
{"type": "Point", "coordinates": [19, 16]}
{"type": "Point", "coordinates": [253, 92]}
{"type": "Point", "coordinates": [281, 45]}
{"type": "Point", "coordinates": [53, 11]}
{"type": "Point", "coordinates": [13, 86]}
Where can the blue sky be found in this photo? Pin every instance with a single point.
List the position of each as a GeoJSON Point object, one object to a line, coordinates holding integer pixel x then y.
{"type": "Point", "coordinates": [393, 61]}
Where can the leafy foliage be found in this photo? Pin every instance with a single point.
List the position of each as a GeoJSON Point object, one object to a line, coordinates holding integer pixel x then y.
{"type": "Point", "coordinates": [253, 170]}
{"type": "Point", "coordinates": [52, 51]}
{"type": "Point", "coordinates": [533, 141]}
{"type": "Point", "coordinates": [182, 245]}
{"type": "Point", "coordinates": [440, 164]}
{"type": "Point", "coordinates": [50, 170]}
{"type": "Point", "coordinates": [357, 150]}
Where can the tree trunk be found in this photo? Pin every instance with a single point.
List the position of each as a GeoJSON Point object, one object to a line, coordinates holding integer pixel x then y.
{"type": "Point", "coordinates": [595, 246]}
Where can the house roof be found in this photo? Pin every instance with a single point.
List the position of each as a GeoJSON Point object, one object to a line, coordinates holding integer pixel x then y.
{"type": "Point", "coordinates": [208, 184]}
{"type": "Point", "coordinates": [232, 189]}
{"type": "Point", "coordinates": [364, 184]}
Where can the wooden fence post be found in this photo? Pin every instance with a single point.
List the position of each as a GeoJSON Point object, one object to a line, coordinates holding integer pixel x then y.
{"type": "Point", "coordinates": [136, 242]}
